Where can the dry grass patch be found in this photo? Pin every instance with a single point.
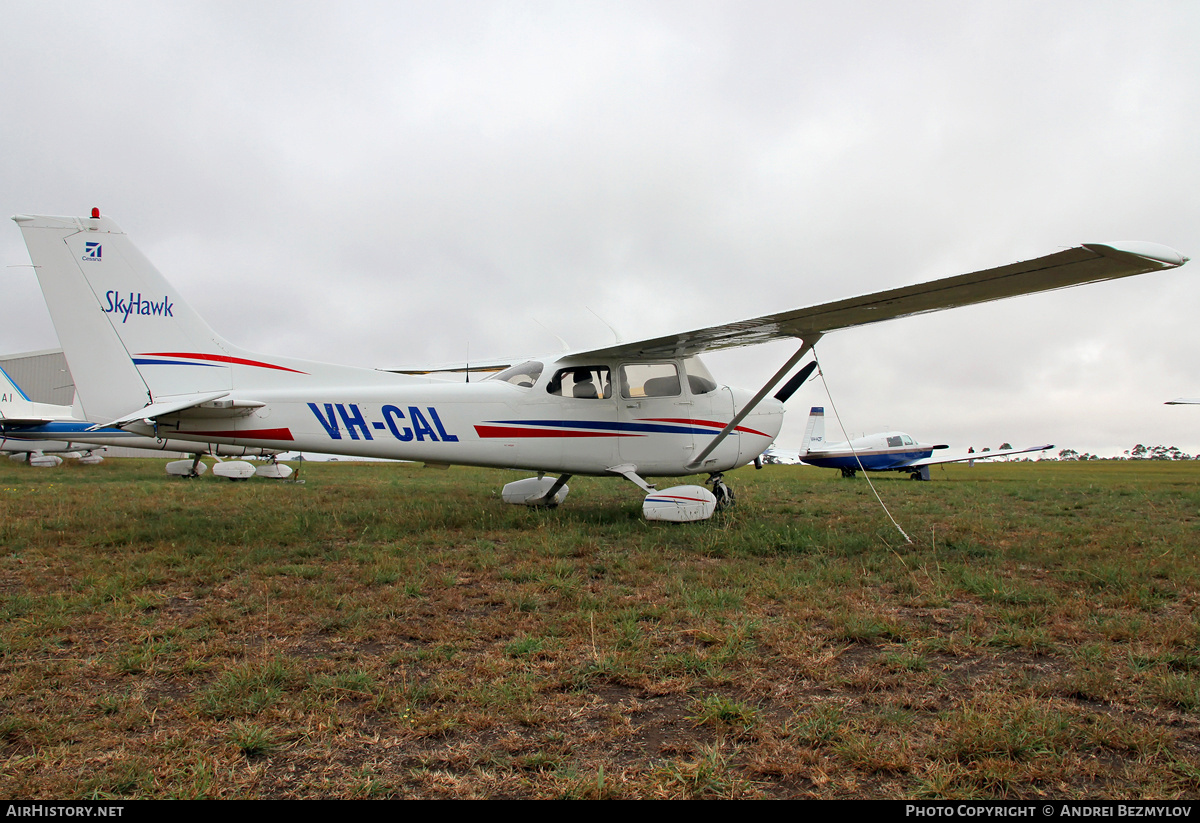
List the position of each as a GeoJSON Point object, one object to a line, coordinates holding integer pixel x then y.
{"type": "Point", "coordinates": [386, 631]}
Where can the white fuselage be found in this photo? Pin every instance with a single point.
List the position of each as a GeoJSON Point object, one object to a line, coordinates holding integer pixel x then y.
{"type": "Point", "coordinates": [491, 423]}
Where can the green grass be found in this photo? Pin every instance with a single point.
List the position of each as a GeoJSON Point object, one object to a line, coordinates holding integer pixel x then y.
{"type": "Point", "coordinates": [389, 631]}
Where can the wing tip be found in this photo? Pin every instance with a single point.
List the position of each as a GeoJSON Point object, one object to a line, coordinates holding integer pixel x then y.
{"type": "Point", "coordinates": [1157, 252]}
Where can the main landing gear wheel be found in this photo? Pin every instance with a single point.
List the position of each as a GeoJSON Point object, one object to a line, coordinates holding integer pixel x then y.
{"type": "Point", "coordinates": [848, 472]}
{"type": "Point", "coordinates": [723, 493]}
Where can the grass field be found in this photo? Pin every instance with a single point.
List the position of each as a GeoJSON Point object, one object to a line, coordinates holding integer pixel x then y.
{"type": "Point", "coordinates": [394, 631]}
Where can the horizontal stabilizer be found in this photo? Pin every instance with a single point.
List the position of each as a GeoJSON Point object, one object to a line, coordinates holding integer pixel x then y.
{"type": "Point", "coordinates": [159, 409]}
{"type": "Point", "coordinates": [23, 422]}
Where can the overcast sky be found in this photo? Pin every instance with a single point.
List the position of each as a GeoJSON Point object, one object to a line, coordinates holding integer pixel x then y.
{"type": "Point", "coordinates": [389, 184]}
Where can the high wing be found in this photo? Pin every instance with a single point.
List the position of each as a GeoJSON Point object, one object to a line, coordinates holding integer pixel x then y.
{"type": "Point", "coordinates": [1089, 263]}
{"type": "Point", "coordinates": [964, 457]}
{"type": "Point", "coordinates": [456, 369]}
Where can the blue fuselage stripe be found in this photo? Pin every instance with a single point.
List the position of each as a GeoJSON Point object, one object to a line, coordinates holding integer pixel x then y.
{"type": "Point", "coordinates": [146, 361]}
{"type": "Point", "coordinates": [81, 429]}
{"type": "Point", "coordinates": [597, 425]}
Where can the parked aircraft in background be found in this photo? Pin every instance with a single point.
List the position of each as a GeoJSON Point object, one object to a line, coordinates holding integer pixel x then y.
{"type": "Point", "coordinates": [42, 434]}
{"type": "Point", "coordinates": [49, 453]}
{"type": "Point", "coordinates": [781, 457]}
{"type": "Point", "coordinates": [143, 360]}
{"type": "Point", "coordinates": [883, 452]}
{"type": "Point", "coordinates": [18, 414]}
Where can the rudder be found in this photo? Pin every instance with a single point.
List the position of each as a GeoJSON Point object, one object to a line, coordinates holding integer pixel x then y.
{"type": "Point", "coordinates": [814, 433]}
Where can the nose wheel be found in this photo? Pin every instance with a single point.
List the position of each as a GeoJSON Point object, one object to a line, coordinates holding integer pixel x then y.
{"type": "Point", "coordinates": [723, 493]}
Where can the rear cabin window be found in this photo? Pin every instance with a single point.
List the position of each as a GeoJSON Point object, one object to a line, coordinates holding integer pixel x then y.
{"type": "Point", "coordinates": [700, 381]}
{"type": "Point", "coordinates": [650, 380]}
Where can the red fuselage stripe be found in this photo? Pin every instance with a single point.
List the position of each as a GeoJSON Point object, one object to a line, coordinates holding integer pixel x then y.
{"type": "Point", "coordinates": [219, 358]}
{"type": "Point", "coordinates": [505, 431]}
{"type": "Point", "coordinates": [716, 424]}
{"type": "Point", "coordinates": [248, 434]}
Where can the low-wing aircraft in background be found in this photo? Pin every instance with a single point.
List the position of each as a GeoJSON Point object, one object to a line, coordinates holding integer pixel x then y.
{"type": "Point", "coordinates": [42, 434]}
{"type": "Point", "coordinates": [19, 414]}
{"type": "Point", "coordinates": [883, 452]}
{"type": "Point", "coordinates": [143, 360]}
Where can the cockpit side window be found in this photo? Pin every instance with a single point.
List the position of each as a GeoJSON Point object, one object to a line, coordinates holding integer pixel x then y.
{"type": "Point", "coordinates": [581, 382]}
{"type": "Point", "coordinates": [895, 441]}
{"type": "Point", "coordinates": [522, 376]}
{"type": "Point", "coordinates": [650, 380]}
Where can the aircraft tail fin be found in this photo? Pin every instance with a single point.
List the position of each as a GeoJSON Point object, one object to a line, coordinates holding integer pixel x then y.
{"type": "Point", "coordinates": [145, 344]}
{"type": "Point", "coordinates": [814, 434]}
{"type": "Point", "coordinates": [10, 392]}
{"type": "Point", "coordinates": [17, 409]}
{"type": "Point", "coordinates": [13, 402]}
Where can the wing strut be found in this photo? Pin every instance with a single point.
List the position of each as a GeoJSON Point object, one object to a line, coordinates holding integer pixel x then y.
{"type": "Point", "coordinates": [804, 349]}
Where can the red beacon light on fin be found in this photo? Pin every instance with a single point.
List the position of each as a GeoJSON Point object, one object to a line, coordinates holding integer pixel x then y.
{"type": "Point", "coordinates": [95, 213]}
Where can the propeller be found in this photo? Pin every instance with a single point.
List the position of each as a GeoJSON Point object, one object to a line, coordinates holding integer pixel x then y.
{"type": "Point", "coordinates": [789, 388]}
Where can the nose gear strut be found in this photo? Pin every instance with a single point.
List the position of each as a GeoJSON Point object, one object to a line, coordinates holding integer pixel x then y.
{"type": "Point", "coordinates": [723, 493]}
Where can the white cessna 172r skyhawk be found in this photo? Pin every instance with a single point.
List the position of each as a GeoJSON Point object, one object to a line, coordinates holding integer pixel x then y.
{"type": "Point", "coordinates": [145, 361]}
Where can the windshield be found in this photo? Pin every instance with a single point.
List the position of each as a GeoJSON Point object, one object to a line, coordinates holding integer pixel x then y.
{"type": "Point", "coordinates": [523, 376]}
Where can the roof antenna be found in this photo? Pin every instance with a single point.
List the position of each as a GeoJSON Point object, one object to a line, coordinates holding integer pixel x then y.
{"type": "Point", "coordinates": [566, 347]}
{"type": "Point", "coordinates": [617, 337]}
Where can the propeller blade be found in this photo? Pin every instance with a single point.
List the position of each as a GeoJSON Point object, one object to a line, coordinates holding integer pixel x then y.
{"type": "Point", "coordinates": [789, 388]}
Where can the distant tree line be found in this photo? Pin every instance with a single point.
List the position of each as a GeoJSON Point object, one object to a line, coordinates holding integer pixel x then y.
{"type": "Point", "coordinates": [1138, 452]}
